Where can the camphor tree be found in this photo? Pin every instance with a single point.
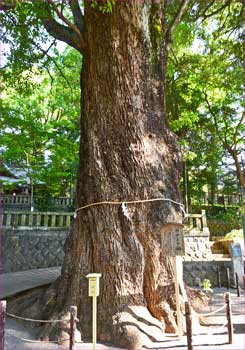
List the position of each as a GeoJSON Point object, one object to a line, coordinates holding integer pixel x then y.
{"type": "Point", "coordinates": [127, 153]}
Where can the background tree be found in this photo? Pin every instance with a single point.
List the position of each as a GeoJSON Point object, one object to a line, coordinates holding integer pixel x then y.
{"type": "Point", "coordinates": [204, 93]}
{"type": "Point", "coordinates": [41, 124]}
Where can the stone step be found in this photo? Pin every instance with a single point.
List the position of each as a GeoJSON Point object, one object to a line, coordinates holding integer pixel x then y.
{"type": "Point", "coordinates": [220, 255]}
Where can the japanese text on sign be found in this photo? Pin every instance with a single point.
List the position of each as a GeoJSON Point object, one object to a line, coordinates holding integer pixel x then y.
{"type": "Point", "coordinates": [172, 239]}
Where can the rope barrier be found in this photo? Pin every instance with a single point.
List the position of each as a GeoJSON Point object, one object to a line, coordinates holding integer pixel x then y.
{"type": "Point", "coordinates": [130, 202]}
{"type": "Point", "coordinates": [32, 320]}
{"type": "Point", "coordinates": [214, 331]}
{"type": "Point", "coordinates": [37, 341]}
{"type": "Point", "coordinates": [213, 312]}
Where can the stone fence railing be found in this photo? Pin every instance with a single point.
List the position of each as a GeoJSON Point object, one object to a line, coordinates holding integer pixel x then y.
{"type": "Point", "coordinates": [196, 232]}
{"type": "Point", "coordinates": [35, 219]}
{"type": "Point", "coordinates": [21, 201]}
{"type": "Point", "coordinates": [33, 240]}
{"type": "Point", "coordinates": [197, 222]}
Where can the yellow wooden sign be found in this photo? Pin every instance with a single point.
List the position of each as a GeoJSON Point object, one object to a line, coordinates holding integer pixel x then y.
{"type": "Point", "coordinates": [93, 284]}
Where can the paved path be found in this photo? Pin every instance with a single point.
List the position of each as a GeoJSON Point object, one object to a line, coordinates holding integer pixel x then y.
{"type": "Point", "coordinates": [16, 282]}
{"type": "Point", "coordinates": [218, 341]}
{"type": "Point", "coordinates": [17, 331]}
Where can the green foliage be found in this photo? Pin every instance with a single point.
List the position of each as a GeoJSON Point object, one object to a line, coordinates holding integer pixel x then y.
{"type": "Point", "coordinates": [103, 6]}
{"type": "Point", "coordinates": [235, 234]}
{"type": "Point", "coordinates": [206, 285]}
{"type": "Point", "coordinates": [221, 212]}
{"type": "Point", "coordinates": [41, 126]}
{"type": "Point", "coordinates": [27, 41]}
{"type": "Point", "coordinates": [204, 95]}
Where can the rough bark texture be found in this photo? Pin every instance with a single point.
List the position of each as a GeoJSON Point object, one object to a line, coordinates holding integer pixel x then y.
{"type": "Point", "coordinates": [127, 152]}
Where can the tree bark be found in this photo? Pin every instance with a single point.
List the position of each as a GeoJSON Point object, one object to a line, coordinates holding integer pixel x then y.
{"type": "Point", "coordinates": [127, 152]}
{"type": "Point", "coordinates": [240, 176]}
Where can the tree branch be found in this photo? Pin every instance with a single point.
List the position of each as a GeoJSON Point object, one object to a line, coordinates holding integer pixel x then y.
{"type": "Point", "coordinates": [174, 22]}
{"type": "Point", "coordinates": [222, 140]}
{"type": "Point", "coordinates": [70, 33]}
{"type": "Point", "coordinates": [208, 6]}
{"type": "Point", "coordinates": [227, 3]}
{"type": "Point", "coordinates": [45, 53]}
{"type": "Point", "coordinates": [237, 128]}
{"type": "Point", "coordinates": [77, 15]}
{"type": "Point", "coordinates": [64, 19]}
{"type": "Point", "coordinates": [239, 171]}
{"type": "Point", "coordinates": [63, 33]}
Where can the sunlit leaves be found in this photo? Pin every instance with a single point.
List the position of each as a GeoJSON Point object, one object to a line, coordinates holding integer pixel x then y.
{"type": "Point", "coordinates": [205, 88]}
{"type": "Point", "coordinates": [43, 122]}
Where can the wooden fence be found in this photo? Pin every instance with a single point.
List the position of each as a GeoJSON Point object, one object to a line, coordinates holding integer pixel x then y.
{"type": "Point", "coordinates": [35, 219]}
{"type": "Point", "coordinates": [217, 198]}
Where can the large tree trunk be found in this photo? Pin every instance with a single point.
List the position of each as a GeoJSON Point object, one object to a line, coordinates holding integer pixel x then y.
{"type": "Point", "coordinates": [127, 153]}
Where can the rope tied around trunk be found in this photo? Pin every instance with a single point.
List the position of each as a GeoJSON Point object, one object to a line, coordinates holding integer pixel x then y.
{"type": "Point", "coordinates": [130, 202]}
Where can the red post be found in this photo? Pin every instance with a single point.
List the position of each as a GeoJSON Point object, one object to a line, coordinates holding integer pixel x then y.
{"type": "Point", "coordinates": [2, 322]}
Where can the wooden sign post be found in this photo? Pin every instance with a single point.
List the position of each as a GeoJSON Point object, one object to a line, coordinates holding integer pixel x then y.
{"type": "Point", "coordinates": [2, 322]}
{"type": "Point", "coordinates": [94, 291]}
{"type": "Point", "coordinates": [172, 238]}
{"type": "Point", "coordinates": [229, 318]}
{"type": "Point", "coordinates": [176, 285]}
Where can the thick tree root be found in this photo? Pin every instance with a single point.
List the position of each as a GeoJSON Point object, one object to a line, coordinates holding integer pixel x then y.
{"type": "Point", "coordinates": [132, 328]}
{"type": "Point", "coordinates": [136, 327]}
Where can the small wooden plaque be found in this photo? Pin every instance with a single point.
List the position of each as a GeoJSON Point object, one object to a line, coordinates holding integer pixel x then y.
{"type": "Point", "coordinates": [172, 239]}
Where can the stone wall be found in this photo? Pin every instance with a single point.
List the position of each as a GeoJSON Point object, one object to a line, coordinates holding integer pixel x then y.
{"type": "Point", "coordinates": [199, 263]}
{"type": "Point", "coordinates": [32, 248]}
{"type": "Point", "coordinates": [206, 269]}
{"type": "Point", "coordinates": [197, 244]}
{"type": "Point", "coordinates": [197, 247]}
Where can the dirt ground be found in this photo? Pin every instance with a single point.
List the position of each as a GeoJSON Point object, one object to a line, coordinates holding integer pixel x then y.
{"type": "Point", "coordinates": [211, 337]}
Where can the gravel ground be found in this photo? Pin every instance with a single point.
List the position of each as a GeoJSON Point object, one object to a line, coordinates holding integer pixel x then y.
{"type": "Point", "coordinates": [15, 330]}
